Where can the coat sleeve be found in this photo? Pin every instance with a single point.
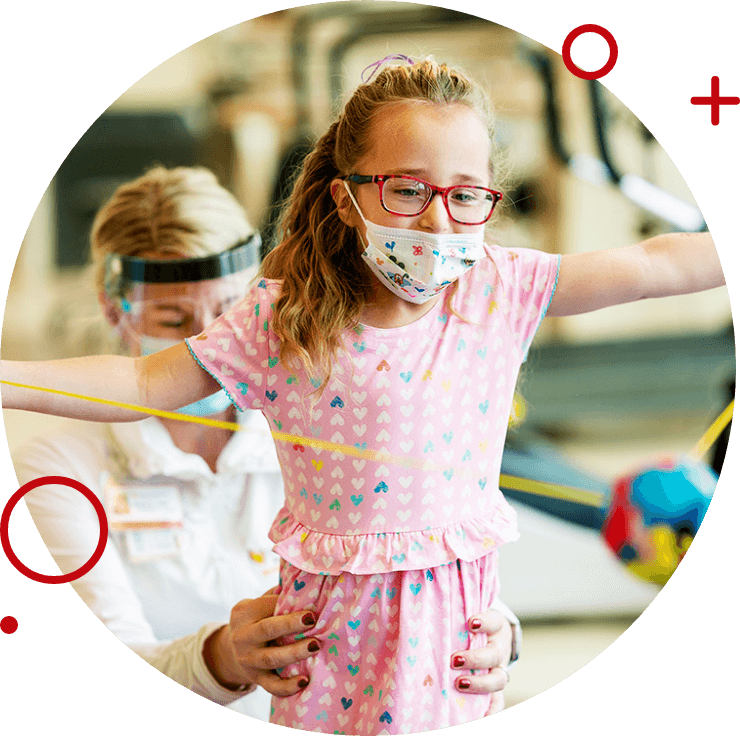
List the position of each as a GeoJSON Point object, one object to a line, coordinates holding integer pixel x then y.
{"type": "Point", "coordinates": [70, 529]}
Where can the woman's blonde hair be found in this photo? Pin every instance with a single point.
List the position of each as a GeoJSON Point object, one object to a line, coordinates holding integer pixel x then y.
{"type": "Point", "coordinates": [181, 212]}
{"type": "Point", "coordinates": [318, 259]}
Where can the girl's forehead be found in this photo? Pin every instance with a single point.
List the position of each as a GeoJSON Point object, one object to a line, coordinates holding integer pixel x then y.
{"type": "Point", "coordinates": [449, 139]}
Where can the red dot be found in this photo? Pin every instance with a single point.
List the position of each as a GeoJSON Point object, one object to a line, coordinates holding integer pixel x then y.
{"type": "Point", "coordinates": [8, 625]}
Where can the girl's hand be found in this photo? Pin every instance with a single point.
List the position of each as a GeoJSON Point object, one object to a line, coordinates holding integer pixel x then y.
{"type": "Point", "coordinates": [493, 659]}
{"type": "Point", "coordinates": [243, 653]}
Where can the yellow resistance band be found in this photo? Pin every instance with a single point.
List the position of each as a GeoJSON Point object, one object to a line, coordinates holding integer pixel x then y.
{"type": "Point", "coordinates": [714, 431]}
{"type": "Point", "coordinates": [538, 488]}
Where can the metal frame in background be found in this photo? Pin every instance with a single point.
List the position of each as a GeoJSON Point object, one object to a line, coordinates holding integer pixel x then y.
{"type": "Point", "coordinates": [603, 171]}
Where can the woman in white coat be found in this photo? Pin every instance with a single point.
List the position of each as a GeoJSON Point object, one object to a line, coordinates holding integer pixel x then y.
{"type": "Point", "coordinates": [184, 574]}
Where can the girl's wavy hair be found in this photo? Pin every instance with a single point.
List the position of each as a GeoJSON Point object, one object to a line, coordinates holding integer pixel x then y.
{"type": "Point", "coordinates": [318, 259]}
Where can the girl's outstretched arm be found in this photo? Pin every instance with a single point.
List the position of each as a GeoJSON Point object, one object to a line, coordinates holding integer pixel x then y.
{"type": "Point", "coordinates": [166, 380]}
{"type": "Point", "coordinates": [679, 263]}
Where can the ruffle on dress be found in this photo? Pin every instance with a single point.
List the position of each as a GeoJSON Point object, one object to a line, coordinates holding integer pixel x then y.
{"type": "Point", "coordinates": [366, 554]}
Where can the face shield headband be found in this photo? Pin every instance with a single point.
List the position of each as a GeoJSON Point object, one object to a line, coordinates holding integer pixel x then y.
{"type": "Point", "coordinates": [121, 270]}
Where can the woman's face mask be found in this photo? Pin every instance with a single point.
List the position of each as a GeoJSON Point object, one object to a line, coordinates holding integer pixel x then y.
{"type": "Point", "coordinates": [416, 265]}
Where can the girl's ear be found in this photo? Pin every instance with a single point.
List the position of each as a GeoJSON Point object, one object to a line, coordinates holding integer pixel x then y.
{"type": "Point", "coordinates": [342, 201]}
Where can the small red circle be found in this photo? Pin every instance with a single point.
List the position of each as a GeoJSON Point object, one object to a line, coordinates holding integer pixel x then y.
{"type": "Point", "coordinates": [58, 480]}
{"type": "Point", "coordinates": [8, 625]}
{"type": "Point", "coordinates": [590, 28]}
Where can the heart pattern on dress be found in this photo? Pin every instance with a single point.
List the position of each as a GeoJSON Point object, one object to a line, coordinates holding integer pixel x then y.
{"type": "Point", "coordinates": [396, 675]}
{"type": "Point", "coordinates": [431, 401]}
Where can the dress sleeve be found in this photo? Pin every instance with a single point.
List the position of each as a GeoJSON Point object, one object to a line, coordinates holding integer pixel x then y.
{"type": "Point", "coordinates": [237, 349]}
{"type": "Point", "coordinates": [528, 278]}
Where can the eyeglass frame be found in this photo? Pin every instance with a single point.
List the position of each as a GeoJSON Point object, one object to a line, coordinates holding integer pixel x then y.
{"type": "Point", "coordinates": [380, 180]}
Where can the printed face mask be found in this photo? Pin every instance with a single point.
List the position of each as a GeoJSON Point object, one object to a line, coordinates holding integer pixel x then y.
{"type": "Point", "coordinates": [213, 404]}
{"type": "Point", "coordinates": [416, 265]}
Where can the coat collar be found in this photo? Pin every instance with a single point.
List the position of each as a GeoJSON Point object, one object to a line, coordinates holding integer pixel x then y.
{"type": "Point", "coordinates": [149, 450]}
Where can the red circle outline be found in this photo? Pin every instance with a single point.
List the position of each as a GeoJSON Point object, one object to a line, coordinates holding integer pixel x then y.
{"type": "Point", "coordinates": [59, 480]}
{"type": "Point", "coordinates": [590, 28]}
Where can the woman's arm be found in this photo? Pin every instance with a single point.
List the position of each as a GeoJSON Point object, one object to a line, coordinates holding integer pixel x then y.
{"type": "Point", "coordinates": [217, 661]}
{"type": "Point", "coordinates": [69, 527]}
{"type": "Point", "coordinates": [166, 380]}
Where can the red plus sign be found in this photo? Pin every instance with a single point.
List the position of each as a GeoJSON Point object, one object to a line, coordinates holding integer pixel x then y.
{"type": "Point", "coordinates": [715, 100]}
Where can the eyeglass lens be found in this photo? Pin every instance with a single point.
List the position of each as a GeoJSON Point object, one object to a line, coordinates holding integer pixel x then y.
{"type": "Point", "coordinates": [409, 197]}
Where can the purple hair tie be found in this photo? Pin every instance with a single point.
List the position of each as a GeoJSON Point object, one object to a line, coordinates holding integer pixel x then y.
{"type": "Point", "coordinates": [377, 64]}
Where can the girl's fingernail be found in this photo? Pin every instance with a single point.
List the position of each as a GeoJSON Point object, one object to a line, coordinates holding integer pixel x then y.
{"type": "Point", "coordinates": [309, 620]}
{"type": "Point", "coordinates": [475, 624]}
{"type": "Point", "coordinates": [463, 684]}
{"type": "Point", "coordinates": [313, 646]}
{"type": "Point", "coordinates": [458, 661]}
{"type": "Point", "coordinates": [303, 682]}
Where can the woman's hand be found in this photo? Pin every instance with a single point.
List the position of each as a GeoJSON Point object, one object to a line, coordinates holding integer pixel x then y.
{"type": "Point", "coordinates": [493, 659]}
{"type": "Point", "coordinates": [243, 653]}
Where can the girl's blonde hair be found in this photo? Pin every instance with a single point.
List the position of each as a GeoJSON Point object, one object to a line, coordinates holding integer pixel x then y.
{"type": "Point", "coordinates": [318, 259]}
{"type": "Point", "coordinates": [174, 212]}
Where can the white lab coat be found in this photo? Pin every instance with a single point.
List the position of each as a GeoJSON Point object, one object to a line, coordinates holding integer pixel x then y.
{"type": "Point", "coordinates": [165, 608]}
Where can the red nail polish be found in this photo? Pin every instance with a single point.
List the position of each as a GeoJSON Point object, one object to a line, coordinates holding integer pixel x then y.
{"type": "Point", "coordinates": [463, 684]}
{"type": "Point", "coordinates": [308, 620]}
{"type": "Point", "coordinates": [303, 682]}
{"type": "Point", "coordinates": [475, 624]}
{"type": "Point", "coordinates": [313, 646]}
{"type": "Point", "coordinates": [458, 661]}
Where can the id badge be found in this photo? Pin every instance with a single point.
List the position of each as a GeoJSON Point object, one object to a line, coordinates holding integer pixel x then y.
{"type": "Point", "coordinates": [151, 544]}
{"type": "Point", "coordinates": [149, 514]}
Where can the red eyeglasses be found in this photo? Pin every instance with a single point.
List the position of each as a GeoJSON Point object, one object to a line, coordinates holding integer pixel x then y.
{"type": "Point", "coordinates": [408, 196]}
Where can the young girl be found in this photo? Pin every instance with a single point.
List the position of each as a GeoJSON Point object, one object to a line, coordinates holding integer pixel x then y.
{"type": "Point", "coordinates": [348, 339]}
{"type": "Point", "coordinates": [383, 344]}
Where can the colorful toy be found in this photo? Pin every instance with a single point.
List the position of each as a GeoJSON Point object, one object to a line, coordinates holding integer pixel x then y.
{"type": "Point", "coordinates": [654, 515]}
{"type": "Point", "coordinates": [650, 517]}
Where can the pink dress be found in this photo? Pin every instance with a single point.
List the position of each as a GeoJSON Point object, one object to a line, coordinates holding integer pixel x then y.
{"type": "Point", "coordinates": [396, 550]}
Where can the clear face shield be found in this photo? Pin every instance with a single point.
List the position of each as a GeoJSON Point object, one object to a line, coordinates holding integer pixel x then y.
{"type": "Point", "coordinates": [160, 302]}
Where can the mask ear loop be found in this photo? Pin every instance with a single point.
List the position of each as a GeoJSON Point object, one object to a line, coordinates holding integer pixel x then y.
{"type": "Point", "coordinates": [359, 211]}
{"type": "Point", "coordinates": [126, 332]}
{"type": "Point", "coordinates": [124, 329]}
{"type": "Point", "coordinates": [354, 202]}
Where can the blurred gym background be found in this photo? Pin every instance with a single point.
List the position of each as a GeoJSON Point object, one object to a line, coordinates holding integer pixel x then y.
{"type": "Point", "coordinates": [603, 392]}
